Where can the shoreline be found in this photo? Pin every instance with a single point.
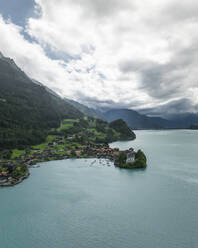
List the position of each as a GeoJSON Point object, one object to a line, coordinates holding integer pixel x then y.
{"type": "Point", "coordinates": [75, 138]}
{"type": "Point", "coordinates": [111, 154]}
{"type": "Point", "coordinates": [14, 182]}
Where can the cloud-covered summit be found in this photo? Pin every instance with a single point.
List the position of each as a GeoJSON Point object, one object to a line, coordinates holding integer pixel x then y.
{"type": "Point", "coordinates": [134, 54]}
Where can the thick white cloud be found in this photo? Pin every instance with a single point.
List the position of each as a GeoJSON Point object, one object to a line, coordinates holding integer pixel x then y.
{"type": "Point", "coordinates": [138, 54]}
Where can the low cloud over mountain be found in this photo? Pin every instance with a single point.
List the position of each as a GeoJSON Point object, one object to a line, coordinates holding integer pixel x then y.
{"type": "Point", "coordinates": [128, 54]}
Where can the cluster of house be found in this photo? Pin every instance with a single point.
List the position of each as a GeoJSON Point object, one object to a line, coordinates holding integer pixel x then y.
{"type": "Point", "coordinates": [102, 152]}
{"type": "Point", "coordinates": [39, 156]}
{"type": "Point", "coordinates": [5, 174]}
{"type": "Point", "coordinates": [59, 141]}
{"type": "Point", "coordinates": [44, 155]}
{"type": "Point", "coordinates": [89, 149]}
{"type": "Point", "coordinates": [105, 152]}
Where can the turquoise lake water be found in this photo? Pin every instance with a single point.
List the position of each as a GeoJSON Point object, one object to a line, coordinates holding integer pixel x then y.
{"type": "Point", "coordinates": [82, 204]}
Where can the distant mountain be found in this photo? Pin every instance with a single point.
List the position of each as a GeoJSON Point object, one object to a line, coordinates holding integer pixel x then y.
{"type": "Point", "coordinates": [85, 110]}
{"type": "Point", "coordinates": [136, 120]}
{"type": "Point", "coordinates": [140, 121]}
{"type": "Point", "coordinates": [184, 120]}
{"type": "Point", "coordinates": [194, 127]}
{"type": "Point", "coordinates": [133, 119]}
{"type": "Point", "coordinates": [27, 108]}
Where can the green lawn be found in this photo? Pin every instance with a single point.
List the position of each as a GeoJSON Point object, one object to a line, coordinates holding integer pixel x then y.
{"type": "Point", "coordinates": [70, 120]}
{"type": "Point", "coordinates": [92, 124]}
{"type": "Point", "coordinates": [65, 126]}
{"type": "Point", "coordinates": [67, 123]}
{"type": "Point", "coordinates": [16, 153]}
{"type": "Point", "coordinates": [41, 147]}
{"type": "Point", "coordinates": [50, 138]}
{"type": "Point", "coordinates": [44, 146]}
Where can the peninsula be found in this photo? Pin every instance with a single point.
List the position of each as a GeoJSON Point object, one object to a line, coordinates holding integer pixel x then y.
{"type": "Point", "coordinates": [75, 138]}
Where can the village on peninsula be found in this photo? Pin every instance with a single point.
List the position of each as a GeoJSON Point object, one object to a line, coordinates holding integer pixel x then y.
{"type": "Point", "coordinates": [75, 138]}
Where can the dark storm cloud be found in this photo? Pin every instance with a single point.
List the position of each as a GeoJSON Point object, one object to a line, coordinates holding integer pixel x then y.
{"type": "Point", "coordinates": [174, 107]}
{"type": "Point", "coordinates": [166, 81]}
{"type": "Point", "coordinates": [153, 77]}
{"type": "Point", "coordinates": [94, 102]}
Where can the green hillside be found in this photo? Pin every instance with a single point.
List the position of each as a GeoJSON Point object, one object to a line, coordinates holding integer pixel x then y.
{"type": "Point", "coordinates": [121, 127]}
{"type": "Point", "coordinates": [72, 135]}
{"type": "Point", "coordinates": [27, 110]}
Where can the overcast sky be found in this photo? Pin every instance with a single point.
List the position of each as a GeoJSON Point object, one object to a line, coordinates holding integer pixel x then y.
{"type": "Point", "coordinates": [139, 54]}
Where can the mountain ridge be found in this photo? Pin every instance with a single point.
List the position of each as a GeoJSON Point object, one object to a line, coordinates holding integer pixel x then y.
{"type": "Point", "coordinates": [136, 120]}
{"type": "Point", "coordinates": [27, 109]}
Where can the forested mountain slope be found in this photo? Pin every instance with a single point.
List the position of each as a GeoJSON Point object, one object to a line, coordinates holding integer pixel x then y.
{"type": "Point", "coordinates": [27, 109]}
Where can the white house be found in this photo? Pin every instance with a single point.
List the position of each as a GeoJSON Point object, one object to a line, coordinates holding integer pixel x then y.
{"type": "Point", "coordinates": [130, 156]}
